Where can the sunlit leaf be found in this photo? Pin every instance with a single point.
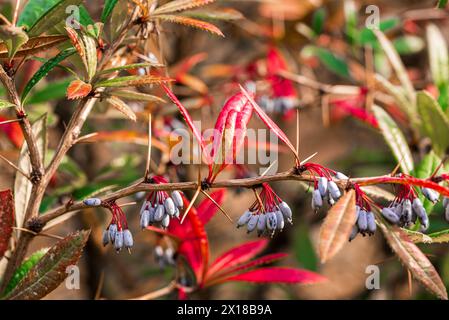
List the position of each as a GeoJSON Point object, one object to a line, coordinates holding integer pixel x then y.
{"type": "Point", "coordinates": [131, 81]}
{"type": "Point", "coordinates": [33, 46]}
{"type": "Point", "coordinates": [187, 21]}
{"type": "Point", "coordinates": [130, 66]}
{"type": "Point", "coordinates": [122, 107]}
{"type": "Point", "coordinates": [50, 271]}
{"type": "Point", "coordinates": [181, 5]}
{"type": "Point", "coordinates": [225, 14]}
{"type": "Point", "coordinates": [395, 139]}
{"type": "Point", "coordinates": [337, 226]}
{"type": "Point", "coordinates": [414, 260]}
{"type": "Point", "coordinates": [435, 123]}
{"type": "Point", "coordinates": [137, 96]}
{"type": "Point", "coordinates": [78, 89]}
{"type": "Point", "coordinates": [6, 219]}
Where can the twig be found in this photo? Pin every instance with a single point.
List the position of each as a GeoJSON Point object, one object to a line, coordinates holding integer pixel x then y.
{"type": "Point", "coordinates": [15, 167]}
{"type": "Point", "coordinates": [158, 293]}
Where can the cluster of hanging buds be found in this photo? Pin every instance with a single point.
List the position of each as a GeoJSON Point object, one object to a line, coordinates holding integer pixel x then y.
{"type": "Point", "coordinates": [164, 257]}
{"type": "Point", "coordinates": [407, 208]}
{"type": "Point", "coordinates": [159, 207]}
{"type": "Point", "coordinates": [267, 214]}
{"type": "Point", "coordinates": [325, 189]}
{"type": "Point", "coordinates": [117, 232]}
{"type": "Point", "coordinates": [365, 223]}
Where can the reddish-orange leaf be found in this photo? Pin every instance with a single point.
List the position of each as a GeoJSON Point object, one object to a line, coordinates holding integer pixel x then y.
{"type": "Point", "coordinates": [337, 226]}
{"type": "Point", "coordinates": [206, 26]}
{"type": "Point", "coordinates": [78, 89]}
{"type": "Point", "coordinates": [6, 219]}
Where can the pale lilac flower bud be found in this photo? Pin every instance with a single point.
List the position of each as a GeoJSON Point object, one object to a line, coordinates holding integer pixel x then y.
{"type": "Point", "coordinates": [118, 243]}
{"type": "Point", "coordinates": [159, 213]}
{"type": "Point", "coordinates": [362, 222]}
{"type": "Point", "coordinates": [333, 190]}
{"type": "Point", "coordinates": [244, 218]}
{"type": "Point", "coordinates": [151, 211]}
{"type": "Point", "coordinates": [390, 215]}
{"type": "Point", "coordinates": [317, 201]}
{"type": "Point", "coordinates": [446, 213]}
{"type": "Point", "coordinates": [371, 222]}
{"type": "Point", "coordinates": [354, 233]}
{"type": "Point", "coordinates": [271, 221]}
{"type": "Point", "coordinates": [145, 206]}
{"type": "Point", "coordinates": [261, 224]}
{"type": "Point", "coordinates": [165, 221]}
{"type": "Point", "coordinates": [407, 211]}
{"type": "Point", "coordinates": [418, 208]}
{"type": "Point", "coordinates": [128, 240]}
{"type": "Point", "coordinates": [322, 186]}
{"type": "Point", "coordinates": [252, 223]}
{"type": "Point", "coordinates": [286, 211]}
{"type": "Point", "coordinates": [105, 238]}
{"type": "Point", "coordinates": [279, 220]}
{"type": "Point", "coordinates": [177, 199]}
{"type": "Point", "coordinates": [145, 219]}
{"type": "Point", "coordinates": [92, 202]}
{"type": "Point", "coordinates": [445, 202]}
{"type": "Point", "coordinates": [431, 194]}
{"type": "Point", "coordinates": [341, 176]}
{"type": "Point", "coordinates": [169, 206]}
{"type": "Point", "coordinates": [112, 230]}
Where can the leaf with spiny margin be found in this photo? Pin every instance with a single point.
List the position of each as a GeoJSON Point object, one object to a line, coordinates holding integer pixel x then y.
{"type": "Point", "coordinates": [23, 186]}
{"type": "Point", "coordinates": [41, 15]}
{"type": "Point", "coordinates": [225, 14]}
{"type": "Point", "coordinates": [50, 271]}
{"type": "Point", "coordinates": [413, 258]}
{"type": "Point", "coordinates": [138, 96]}
{"type": "Point", "coordinates": [14, 38]}
{"type": "Point", "coordinates": [122, 107]}
{"type": "Point", "coordinates": [90, 46]}
{"type": "Point", "coordinates": [23, 270]}
{"type": "Point", "coordinates": [44, 70]}
{"type": "Point", "coordinates": [337, 226]}
{"type": "Point", "coordinates": [109, 6]}
{"type": "Point", "coordinates": [6, 219]}
{"type": "Point", "coordinates": [181, 5]}
{"type": "Point", "coordinates": [78, 89]}
{"type": "Point", "coordinates": [33, 46]}
{"type": "Point", "coordinates": [130, 66]}
{"type": "Point", "coordinates": [435, 124]}
{"type": "Point", "coordinates": [395, 139]}
{"type": "Point", "coordinates": [131, 81]}
{"type": "Point", "coordinates": [190, 22]}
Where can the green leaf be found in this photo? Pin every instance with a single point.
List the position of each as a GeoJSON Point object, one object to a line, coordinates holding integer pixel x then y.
{"type": "Point", "coordinates": [304, 250]}
{"type": "Point", "coordinates": [85, 18]}
{"type": "Point", "coordinates": [394, 138]}
{"type": "Point", "coordinates": [109, 6]}
{"type": "Point", "coordinates": [50, 271]}
{"type": "Point", "coordinates": [23, 186]}
{"type": "Point", "coordinates": [45, 69]}
{"type": "Point", "coordinates": [14, 38]}
{"type": "Point", "coordinates": [138, 96]}
{"type": "Point", "coordinates": [52, 91]}
{"type": "Point", "coordinates": [367, 35]}
{"type": "Point", "coordinates": [5, 104]}
{"type": "Point", "coordinates": [408, 44]}
{"type": "Point", "coordinates": [435, 123]}
{"type": "Point", "coordinates": [351, 21]}
{"type": "Point", "coordinates": [440, 237]}
{"type": "Point", "coordinates": [424, 170]}
{"type": "Point", "coordinates": [318, 20]}
{"type": "Point", "coordinates": [332, 62]}
{"type": "Point", "coordinates": [39, 16]}
{"type": "Point", "coordinates": [442, 3]}
{"type": "Point", "coordinates": [90, 46]}
{"type": "Point", "coordinates": [23, 270]}
{"type": "Point", "coordinates": [439, 62]}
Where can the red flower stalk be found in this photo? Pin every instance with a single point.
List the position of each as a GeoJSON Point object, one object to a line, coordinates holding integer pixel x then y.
{"type": "Point", "coordinates": [237, 264]}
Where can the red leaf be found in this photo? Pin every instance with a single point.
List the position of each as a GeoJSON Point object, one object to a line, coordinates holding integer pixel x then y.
{"type": "Point", "coordinates": [281, 87]}
{"type": "Point", "coordinates": [270, 123]}
{"type": "Point", "coordinates": [6, 219]}
{"type": "Point", "coordinates": [207, 209]}
{"type": "Point", "coordinates": [223, 275]}
{"type": "Point", "coordinates": [12, 131]}
{"type": "Point", "coordinates": [78, 89]}
{"type": "Point", "coordinates": [237, 255]}
{"type": "Point", "coordinates": [186, 116]}
{"type": "Point", "coordinates": [229, 133]}
{"type": "Point", "coordinates": [279, 275]}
